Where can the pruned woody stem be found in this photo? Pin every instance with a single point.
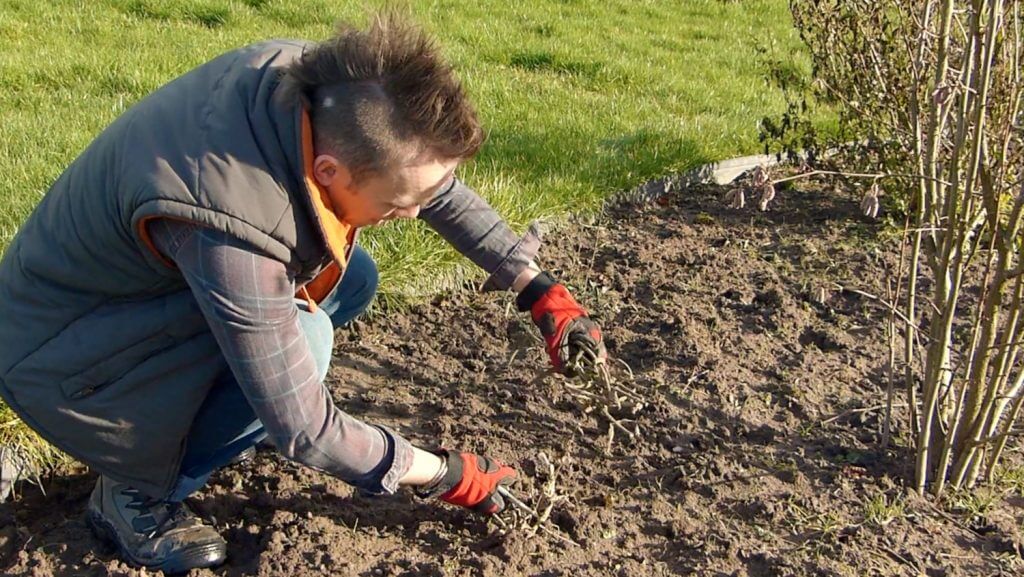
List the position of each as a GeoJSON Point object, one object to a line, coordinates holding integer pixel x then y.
{"type": "Point", "coordinates": [598, 392]}
{"type": "Point", "coordinates": [518, 516]}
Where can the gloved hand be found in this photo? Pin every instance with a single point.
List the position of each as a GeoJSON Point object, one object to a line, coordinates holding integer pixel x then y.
{"type": "Point", "coordinates": [471, 481]}
{"type": "Point", "coordinates": [568, 332]}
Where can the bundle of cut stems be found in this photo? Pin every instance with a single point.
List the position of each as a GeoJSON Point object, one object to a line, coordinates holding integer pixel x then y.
{"type": "Point", "coordinates": [598, 391]}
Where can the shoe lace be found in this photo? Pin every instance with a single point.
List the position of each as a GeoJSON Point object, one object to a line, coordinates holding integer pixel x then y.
{"type": "Point", "coordinates": [174, 511]}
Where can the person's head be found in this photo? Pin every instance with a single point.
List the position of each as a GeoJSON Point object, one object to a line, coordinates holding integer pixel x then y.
{"type": "Point", "coordinates": [390, 120]}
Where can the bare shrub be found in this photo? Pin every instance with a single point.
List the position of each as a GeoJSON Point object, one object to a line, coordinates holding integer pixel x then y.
{"type": "Point", "coordinates": [934, 88]}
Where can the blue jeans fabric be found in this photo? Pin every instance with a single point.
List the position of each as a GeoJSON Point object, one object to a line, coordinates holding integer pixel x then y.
{"type": "Point", "coordinates": [226, 425]}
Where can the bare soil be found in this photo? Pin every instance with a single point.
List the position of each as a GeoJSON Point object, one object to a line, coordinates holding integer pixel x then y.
{"type": "Point", "coordinates": [758, 451]}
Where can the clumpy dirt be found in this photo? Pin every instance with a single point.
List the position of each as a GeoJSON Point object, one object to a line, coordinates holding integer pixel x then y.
{"type": "Point", "coordinates": [758, 451]}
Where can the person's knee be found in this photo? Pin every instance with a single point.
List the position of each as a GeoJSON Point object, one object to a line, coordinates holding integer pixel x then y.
{"type": "Point", "coordinates": [354, 294]}
{"type": "Point", "coordinates": [362, 265]}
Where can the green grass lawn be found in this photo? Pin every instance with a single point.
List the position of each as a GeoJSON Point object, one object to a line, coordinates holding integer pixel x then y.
{"type": "Point", "coordinates": [580, 98]}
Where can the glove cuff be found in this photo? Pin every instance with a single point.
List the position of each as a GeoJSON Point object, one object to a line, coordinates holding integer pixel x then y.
{"type": "Point", "coordinates": [448, 481]}
{"type": "Point", "coordinates": [535, 291]}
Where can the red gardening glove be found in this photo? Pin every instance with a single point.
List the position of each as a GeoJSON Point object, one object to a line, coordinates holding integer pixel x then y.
{"type": "Point", "coordinates": [571, 338]}
{"type": "Point", "coordinates": [471, 481]}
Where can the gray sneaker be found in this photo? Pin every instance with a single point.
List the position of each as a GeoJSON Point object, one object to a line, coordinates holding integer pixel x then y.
{"type": "Point", "coordinates": [152, 533]}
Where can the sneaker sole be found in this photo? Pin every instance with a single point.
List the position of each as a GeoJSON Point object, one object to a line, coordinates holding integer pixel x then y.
{"type": "Point", "coordinates": [197, 557]}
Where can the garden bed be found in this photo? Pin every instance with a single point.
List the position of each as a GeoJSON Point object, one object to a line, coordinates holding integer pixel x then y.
{"type": "Point", "coordinates": [757, 451]}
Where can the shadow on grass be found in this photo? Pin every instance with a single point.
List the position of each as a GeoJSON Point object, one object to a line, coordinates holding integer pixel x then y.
{"type": "Point", "coordinates": [586, 173]}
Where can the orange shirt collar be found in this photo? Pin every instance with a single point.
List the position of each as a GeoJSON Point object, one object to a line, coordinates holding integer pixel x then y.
{"type": "Point", "coordinates": [339, 235]}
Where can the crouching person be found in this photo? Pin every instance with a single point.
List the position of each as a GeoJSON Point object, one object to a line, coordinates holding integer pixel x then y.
{"type": "Point", "coordinates": [171, 301]}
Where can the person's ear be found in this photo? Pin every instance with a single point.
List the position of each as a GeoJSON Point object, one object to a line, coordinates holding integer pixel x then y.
{"type": "Point", "coordinates": [329, 172]}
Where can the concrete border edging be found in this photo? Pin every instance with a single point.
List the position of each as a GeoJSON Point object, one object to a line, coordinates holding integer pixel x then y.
{"type": "Point", "coordinates": [721, 172]}
{"type": "Point", "coordinates": [13, 468]}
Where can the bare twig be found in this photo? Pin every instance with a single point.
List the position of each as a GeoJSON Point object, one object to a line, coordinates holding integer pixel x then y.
{"type": "Point", "coordinates": [533, 521]}
{"type": "Point", "coordinates": [598, 391]}
{"type": "Point", "coordinates": [873, 175]}
{"type": "Point", "coordinates": [858, 411]}
{"type": "Point", "coordinates": [910, 324]}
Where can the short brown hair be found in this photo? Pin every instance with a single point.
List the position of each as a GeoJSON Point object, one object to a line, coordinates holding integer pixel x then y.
{"type": "Point", "coordinates": [372, 93]}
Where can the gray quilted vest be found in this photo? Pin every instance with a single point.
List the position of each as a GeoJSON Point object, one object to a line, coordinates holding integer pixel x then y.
{"type": "Point", "coordinates": [103, 350]}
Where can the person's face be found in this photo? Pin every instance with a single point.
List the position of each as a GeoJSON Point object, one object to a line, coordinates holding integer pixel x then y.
{"type": "Point", "coordinates": [378, 198]}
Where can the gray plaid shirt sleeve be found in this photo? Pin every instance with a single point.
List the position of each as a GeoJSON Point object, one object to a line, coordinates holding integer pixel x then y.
{"type": "Point", "coordinates": [469, 224]}
{"type": "Point", "coordinates": [248, 301]}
